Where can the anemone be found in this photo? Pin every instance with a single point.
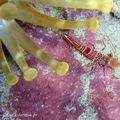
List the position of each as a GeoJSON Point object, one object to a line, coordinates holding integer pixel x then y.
{"type": "Point", "coordinates": [15, 39]}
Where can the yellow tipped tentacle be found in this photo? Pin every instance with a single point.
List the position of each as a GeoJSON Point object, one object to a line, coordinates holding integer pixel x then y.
{"type": "Point", "coordinates": [60, 67]}
{"type": "Point", "coordinates": [17, 54]}
{"type": "Point", "coordinates": [11, 79]}
{"type": "Point", "coordinates": [37, 18]}
{"type": "Point", "coordinates": [29, 73]}
{"type": "Point", "coordinates": [101, 5]}
{"type": "Point", "coordinates": [14, 49]}
{"type": "Point", "coordinates": [8, 11]}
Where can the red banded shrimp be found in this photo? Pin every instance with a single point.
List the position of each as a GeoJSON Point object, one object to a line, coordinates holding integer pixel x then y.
{"type": "Point", "coordinates": [92, 54]}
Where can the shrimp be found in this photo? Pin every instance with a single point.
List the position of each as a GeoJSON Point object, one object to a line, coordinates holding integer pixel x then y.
{"type": "Point", "coordinates": [92, 54]}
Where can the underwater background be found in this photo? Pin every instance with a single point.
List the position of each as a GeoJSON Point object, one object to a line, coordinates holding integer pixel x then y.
{"type": "Point", "coordinates": [81, 94]}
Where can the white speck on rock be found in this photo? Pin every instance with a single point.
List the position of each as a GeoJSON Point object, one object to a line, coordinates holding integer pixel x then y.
{"type": "Point", "coordinates": [89, 114]}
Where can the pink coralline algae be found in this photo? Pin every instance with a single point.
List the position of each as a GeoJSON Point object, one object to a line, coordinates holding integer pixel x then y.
{"type": "Point", "coordinates": [105, 95]}
{"type": "Point", "coordinates": [46, 99]}
{"type": "Point", "coordinates": [70, 97]}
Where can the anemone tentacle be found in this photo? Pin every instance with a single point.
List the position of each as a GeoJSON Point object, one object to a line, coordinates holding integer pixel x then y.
{"type": "Point", "coordinates": [37, 18]}
{"type": "Point", "coordinates": [16, 52]}
{"type": "Point", "coordinates": [101, 5]}
{"type": "Point", "coordinates": [8, 11]}
{"type": "Point", "coordinates": [11, 78]}
{"type": "Point", "coordinates": [60, 67]}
